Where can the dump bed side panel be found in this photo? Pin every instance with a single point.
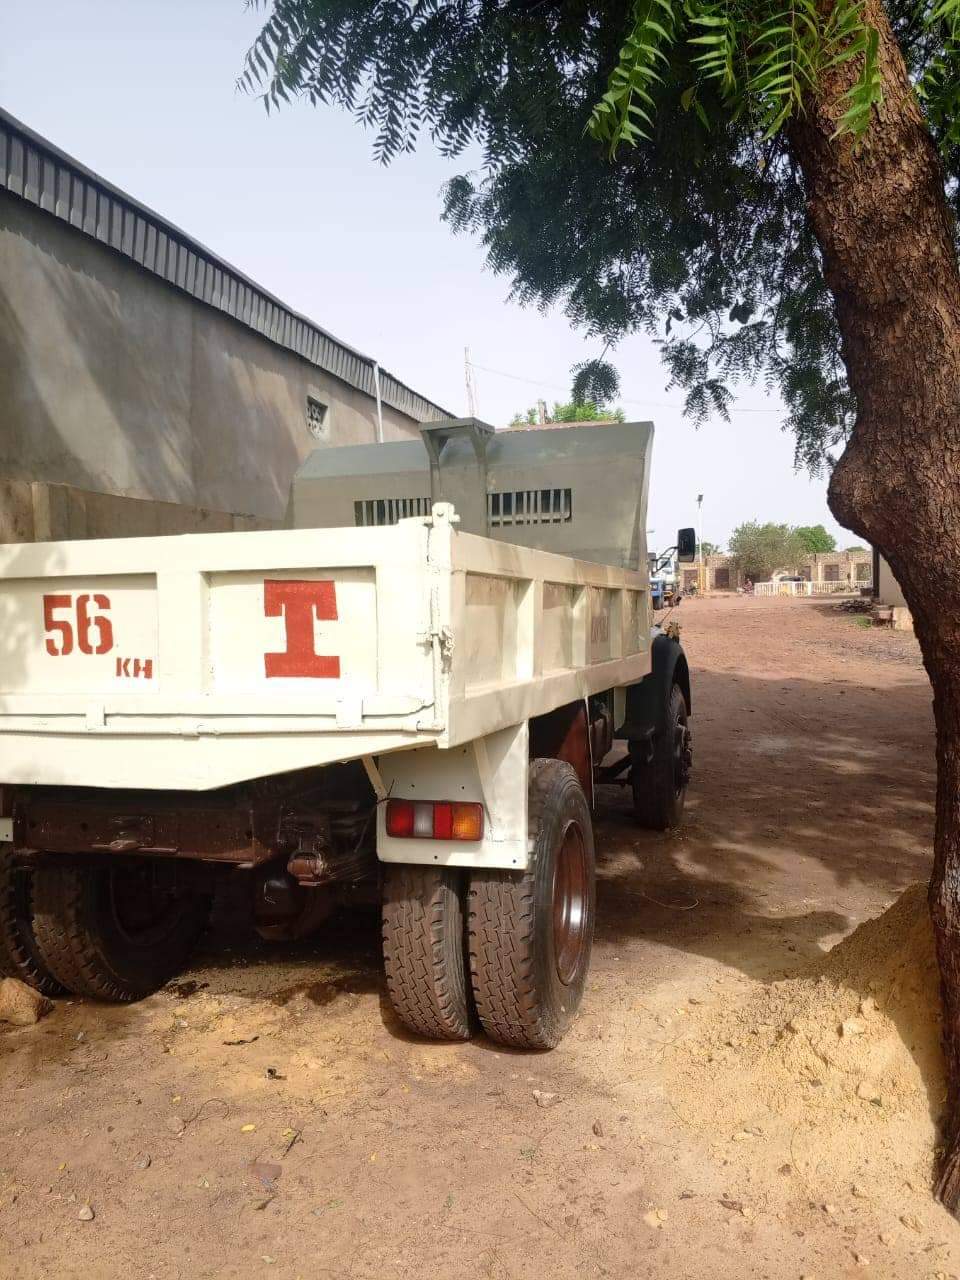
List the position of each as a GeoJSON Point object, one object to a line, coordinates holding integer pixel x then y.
{"type": "Point", "coordinates": [533, 630]}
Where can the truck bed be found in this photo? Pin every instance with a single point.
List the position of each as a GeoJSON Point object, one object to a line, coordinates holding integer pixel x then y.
{"type": "Point", "coordinates": [197, 661]}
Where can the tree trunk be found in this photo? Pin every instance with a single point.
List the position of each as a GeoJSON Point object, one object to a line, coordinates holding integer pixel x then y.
{"type": "Point", "coordinates": [889, 257]}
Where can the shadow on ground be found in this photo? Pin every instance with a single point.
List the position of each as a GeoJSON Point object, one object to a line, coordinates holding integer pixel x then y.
{"type": "Point", "coordinates": [805, 794]}
{"type": "Point", "coordinates": [793, 778]}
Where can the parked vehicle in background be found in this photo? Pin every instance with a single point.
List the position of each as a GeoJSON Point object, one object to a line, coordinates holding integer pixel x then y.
{"type": "Point", "coordinates": [664, 596]}
{"type": "Point", "coordinates": [420, 686]}
{"type": "Point", "coordinates": [665, 589]}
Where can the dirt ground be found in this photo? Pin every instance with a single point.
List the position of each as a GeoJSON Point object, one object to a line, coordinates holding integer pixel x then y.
{"type": "Point", "coordinates": [270, 1118]}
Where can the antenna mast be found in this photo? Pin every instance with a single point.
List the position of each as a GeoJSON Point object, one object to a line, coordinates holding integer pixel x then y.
{"type": "Point", "coordinates": [472, 398]}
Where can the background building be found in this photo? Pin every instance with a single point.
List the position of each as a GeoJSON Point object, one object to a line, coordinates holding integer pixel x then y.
{"type": "Point", "coordinates": [147, 386]}
{"type": "Point", "coordinates": [849, 568]}
{"type": "Point", "coordinates": [844, 570]}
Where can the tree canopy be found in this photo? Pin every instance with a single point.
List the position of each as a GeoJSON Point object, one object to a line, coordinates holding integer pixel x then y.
{"type": "Point", "coordinates": [785, 212]}
{"type": "Point", "coordinates": [572, 411]}
{"type": "Point", "coordinates": [815, 538]}
{"type": "Point", "coordinates": [760, 550]}
{"type": "Point", "coordinates": [699, 236]}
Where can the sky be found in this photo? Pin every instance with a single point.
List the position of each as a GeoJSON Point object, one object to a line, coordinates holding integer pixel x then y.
{"type": "Point", "coordinates": [144, 94]}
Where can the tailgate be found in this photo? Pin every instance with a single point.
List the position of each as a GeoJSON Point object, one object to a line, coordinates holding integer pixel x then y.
{"type": "Point", "coordinates": [244, 635]}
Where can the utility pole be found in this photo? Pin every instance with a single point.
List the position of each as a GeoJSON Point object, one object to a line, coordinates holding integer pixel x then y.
{"type": "Point", "coordinates": [702, 574]}
{"type": "Point", "coordinates": [472, 408]}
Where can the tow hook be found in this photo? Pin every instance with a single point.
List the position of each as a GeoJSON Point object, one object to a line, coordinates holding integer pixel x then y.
{"type": "Point", "coordinates": [133, 832]}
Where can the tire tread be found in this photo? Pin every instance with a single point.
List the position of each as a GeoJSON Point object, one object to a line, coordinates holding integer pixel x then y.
{"type": "Point", "coordinates": [70, 942]}
{"type": "Point", "coordinates": [501, 933]}
{"type": "Point", "coordinates": [423, 947]}
{"type": "Point", "coordinates": [20, 956]}
{"type": "Point", "coordinates": [655, 806]}
{"type": "Point", "coordinates": [56, 901]}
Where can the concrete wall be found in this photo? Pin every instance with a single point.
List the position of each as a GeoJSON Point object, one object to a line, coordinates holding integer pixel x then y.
{"type": "Point", "coordinates": [888, 588]}
{"type": "Point", "coordinates": [113, 382]}
{"type": "Point", "coordinates": [33, 511]}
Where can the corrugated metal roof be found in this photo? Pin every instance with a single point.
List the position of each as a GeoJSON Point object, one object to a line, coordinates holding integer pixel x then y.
{"type": "Point", "coordinates": [35, 170]}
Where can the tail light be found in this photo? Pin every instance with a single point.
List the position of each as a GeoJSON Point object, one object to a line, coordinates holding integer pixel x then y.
{"type": "Point", "coordinates": [434, 820]}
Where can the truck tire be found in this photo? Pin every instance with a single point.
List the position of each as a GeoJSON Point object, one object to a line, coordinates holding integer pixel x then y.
{"type": "Point", "coordinates": [115, 933]}
{"type": "Point", "coordinates": [423, 951]}
{"type": "Point", "coordinates": [660, 784]}
{"type": "Point", "coordinates": [19, 954]}
{"type": "Point", "coordinates": [530, 933]}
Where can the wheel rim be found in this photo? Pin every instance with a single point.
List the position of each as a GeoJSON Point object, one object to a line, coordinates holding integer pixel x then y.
{"type": "Point", "coordinates": [682, 754]}
{"type": "Point", "coordinates": [142, 907]}
{"type": "Point", "coordinates": [571, 896]}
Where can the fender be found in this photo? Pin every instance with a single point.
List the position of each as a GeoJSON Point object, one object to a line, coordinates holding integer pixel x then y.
{"type": "Point", "coordinates": [646, 703]}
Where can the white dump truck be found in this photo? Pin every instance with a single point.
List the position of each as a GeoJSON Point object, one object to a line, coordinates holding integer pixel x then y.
{"type": "Point", "coordinates": [418, 688]}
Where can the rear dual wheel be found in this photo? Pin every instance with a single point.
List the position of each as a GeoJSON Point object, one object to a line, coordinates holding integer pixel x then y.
{"type": "Point", "coordinates": [423, 950]}
{"type": "Point", "coordinates": [527, 935]}
{"type": "Point", "coordinates": [118, 932]}
{"type": "Point", "coordinates": [20, 955]}
{"type": "Point", "coordinates": [530, 935]}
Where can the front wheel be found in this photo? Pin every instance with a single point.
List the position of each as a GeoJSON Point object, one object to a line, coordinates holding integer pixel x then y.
{"type": "Point", "coordinates": [660, 784]}
{"type": "Point", "coordinates": [119, 932]}
{"type": "Point", "coordinates": [530, 933]}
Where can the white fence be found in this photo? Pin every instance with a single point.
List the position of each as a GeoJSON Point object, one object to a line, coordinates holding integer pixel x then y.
{"type": "Point", "coordinates": [788, 588]}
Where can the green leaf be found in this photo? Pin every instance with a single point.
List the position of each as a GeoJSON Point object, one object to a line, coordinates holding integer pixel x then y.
{"type": "Point", "coordinates": [634, 76]}
{"type": "Point", "coordinates": [865, 94]}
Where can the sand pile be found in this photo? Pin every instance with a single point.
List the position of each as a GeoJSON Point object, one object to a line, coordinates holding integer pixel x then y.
{"type": "Point", "coordinates": [841, 1064]}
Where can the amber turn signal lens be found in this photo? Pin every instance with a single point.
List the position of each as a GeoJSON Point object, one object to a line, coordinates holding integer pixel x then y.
{"type": "Point", "coordinates": [467, 822]}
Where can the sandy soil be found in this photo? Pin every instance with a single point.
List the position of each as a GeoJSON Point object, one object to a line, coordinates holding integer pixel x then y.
{"type": "Point", "coordinates": [328, 1143]}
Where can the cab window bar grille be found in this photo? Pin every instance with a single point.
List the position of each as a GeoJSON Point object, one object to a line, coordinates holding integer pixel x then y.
{"type": "Point", "coordinates": [530, 506]}
{"type": "Point", "coordinates": [384, 511]}
{"type": "Point", "coordinates": [504, 510]}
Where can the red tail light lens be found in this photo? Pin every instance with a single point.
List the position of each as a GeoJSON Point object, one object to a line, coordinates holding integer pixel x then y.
{"type": "Point", "coordinates": [434, 820]}
{"type": "Point", "coordinates": [443, 822]}
{"type": "Point", "coordinates": [399, 818]}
